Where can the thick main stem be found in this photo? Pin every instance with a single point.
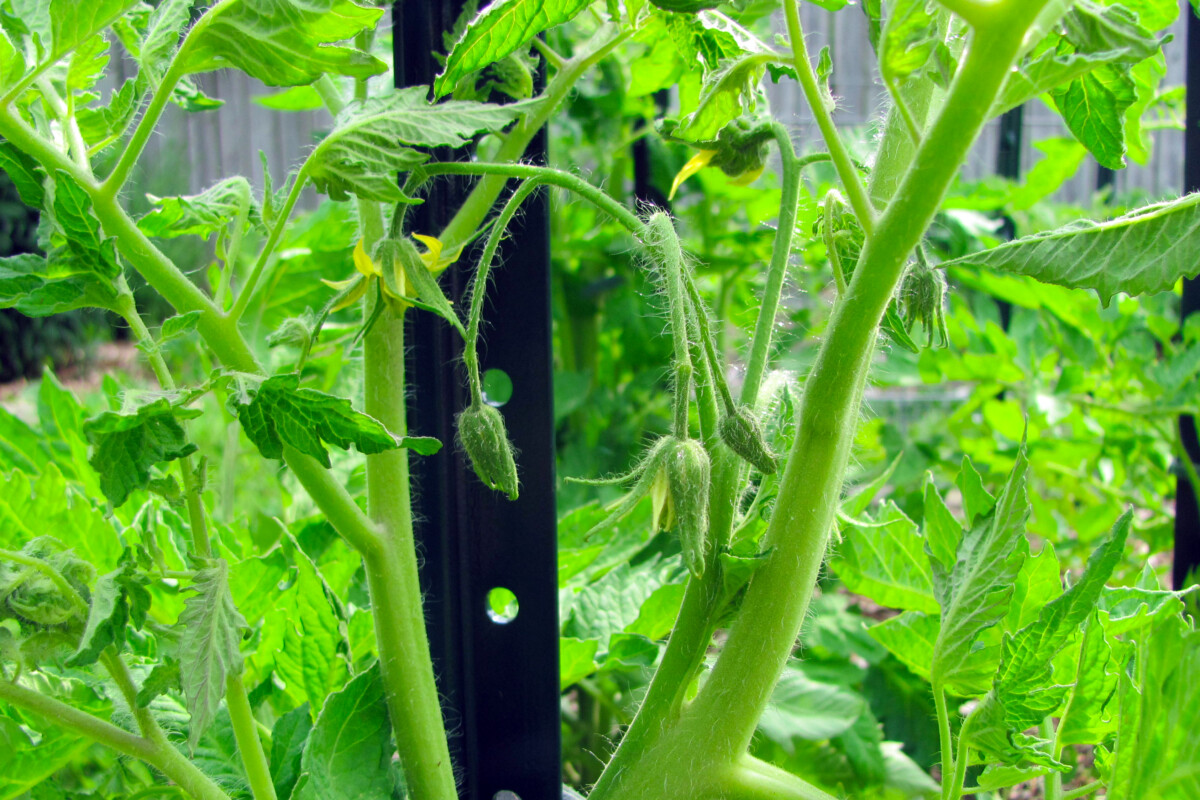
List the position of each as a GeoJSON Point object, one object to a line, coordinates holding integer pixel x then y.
{"type": "Point", "coordinates": [718, 726]}
{"type": "Point", "coordinates": [393, 581]}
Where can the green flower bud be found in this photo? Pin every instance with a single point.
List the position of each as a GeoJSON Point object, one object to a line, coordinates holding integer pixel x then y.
{"type": "Point", "coordinates": [924, 295]}
{"type": "Point", "coordinates": [687, 469]}
{"type": "Point", "coordinates": [741, 433]}
{"type": "Point", "coordinates": [483, 435]}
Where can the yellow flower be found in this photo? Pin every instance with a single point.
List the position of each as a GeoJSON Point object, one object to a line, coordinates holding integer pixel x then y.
{"type": "Point", "coordinates": [694, 165]}
{"type": "Point", "coordinates": [397, 291]}
{"type": "Point", "coordinates": [432, 256]}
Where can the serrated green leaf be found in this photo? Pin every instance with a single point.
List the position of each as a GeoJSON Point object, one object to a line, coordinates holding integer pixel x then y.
{"type": "Point", "coordinates": [885, 560]}
{"type": "Point", "coordinates": [25, 174]}
{"type": "Point", "coordinates": [1156, 754]}
{"type": "Point", "coordinates": [103, 126]}
{"type": "Point", "coordinates": [1092, 36]}
{"type": "Point", "coordinates": [803, 708]}
{"type": "Point", "coordinates": [978, 589]}
{"type": "Point", "coordinates": [576, 659]}
{"type": "Point", "coordinates": [12, 64]}
{"type": "Point", "coordinates": [312, 658]}
{"type": "Point", "coordinates": [977, 500]}
{"type": "Point", "coordinates": [1088, 719]}
{"type": "Point", "coordinates": [199, 215]}
{"type": "Point", "coordinates": [1093, 107]}
{"type": "Point", "coordinates": [361, 155]}
{"type": "Point", "coordinates": [629, 651]}
{"type": "Point", "coordinates": [1038, 583]}
{"type": "Point", "coordinates": [284, 413]}
{"type": "Point", "coordinates": [1118, 255]}
{"type": "Point", "coordinates": [500, 29]}
{"type": "Point", "coordinates": [283, 42]}
{"type": "Point", "coordinates": [288, 739]}
{"type": "Point", "coordinates": [72, 23]}
{"type": "Point", "coordinates": [163, 678]}
{"type": "Point", "coordinates": [179, 325]}
{"type": "Point", "coordinates": [909, 37]}
{"type": "Point", "coordinates": [942, 531]}
{"type": "Point", "coordinates": [31, 506]}
{"type": "Point", "coordinates": [209, 645]}
{"type": "Point", "coordinates": [911, 638]}
{"type": "Point", "coordinates": [163, 30]}
{"type": "Point", "coordinates": [1126, 608]}
{"type": "Point", "coordinates": [126, 445]}
{"type": "Point", "coordinates": [349, 752]}
{"type": "Point", "coordinates": [107, 617]}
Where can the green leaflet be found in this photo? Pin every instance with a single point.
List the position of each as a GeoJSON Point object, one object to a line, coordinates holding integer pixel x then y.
{"type": "Point", "coordinates": [118, 598]}
{"type": "Point", "coordinates": [24, 765]}
{"type": "Point", "coordinates": [976, 592]}
{"type": "Point", "coordinates": [102, 126]}
{"type": "Point", "coordinates": [162, 36]}
{"type": "Point", "coordinates": [501, 28]}
{"type": "Point", "coordinates": [1156, 757]}
{"type": "Point", "coordinates": [1143, 252]}
{"type": "Point", "coordinates": [1025, 690]}
{"type": "Point", "coordinates": [1093, 36]}
{"type": "Point", "coordinates": [576, 659]}
{"type": "Point", "coordinates": [360, 155]}
{"type": "Point", "coordinates": [1094, 109]}
{"type": "Point", "coordinates": [911, 638]}
{"type": "Point", "coordinates": [199, 215]}
{"type": "Point", "coordinates": [127, 445]}
{"type": "Point", "coordinates": [25, 174]}
{"type": "Point", "coordinates": [729, 92]}
{"type": "Point", "coordinates": [29, 507]}
{"type": "Point", "coordinates": [312, 657]}
{"type": "Point", "coordinates": [1088, 717]}
{"type": "Point", "coordinates": [801, 707]}
{"type": "Point", "coordinates": [163, 677]}
{"type": "Point", "coordinates": [282, 413]}
{"type": "Point", "coordinates": [885, 560]}
{"type": "Point", "coordinates": [208, 647]}
{"type": "Point", "coordinates": [349, 752]}
{"type": "Point", "coordinates": [288, 738]}
{"type": "Point", "coordinates": [910, 35]}
{"type": "Point", "coordinates": [282, 42]}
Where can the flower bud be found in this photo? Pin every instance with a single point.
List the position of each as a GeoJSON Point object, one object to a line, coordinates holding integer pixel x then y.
{"type": "Point", "coordinates": [687, 469]}
{"type": "Point", "coordinates": [741, 433]}
{"type": "Point", "coordinates": [483, 435]}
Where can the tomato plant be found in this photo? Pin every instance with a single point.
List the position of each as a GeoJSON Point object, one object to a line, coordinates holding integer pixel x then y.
{"type": "Point", "coordinates": [221, 651]}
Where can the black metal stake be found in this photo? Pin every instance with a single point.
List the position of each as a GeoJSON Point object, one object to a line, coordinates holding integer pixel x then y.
{"type": "Point", "coordinates": [1187, 513]}
{"type": "Point", "coordinates": [1008, 165]}
{"type": "Point", "coordinates": [499, 681]}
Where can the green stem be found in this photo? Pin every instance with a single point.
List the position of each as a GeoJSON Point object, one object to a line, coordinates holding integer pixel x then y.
{"type": "Point", "coordinates": [145, 128]}
{"type": "Point", "coordinates": [330, 94]}
{"type": "Point", "coordinates": [753, 779]}
{"type": "Point", "coordinates": [1052, 783]}
{"type": "Point", "coordinates": [1083, 791]}
{"type": "Point", "coordinates": [944, 736]}
{"type": "Point", "coordinates": [760, 352]}
{"type": "Point", "coordinates": [842, 162]}
{"type": "Point", "coordinates": [961, 758]}
{"type": "Point", "coordinates": [663, 244]}
{"type": "Point", "coordinates": [716, 728]}
{"type": "Point", "coordinates": [79, 722]}
{"type": "Point", "coordinates": [479, 283]}
{"type": "Point", "coordinates": [123, 678]}
{"type": "Point", "coordinates": [392, 578]}
{"type": "Point", "coordinates": [245, 731]}
{"type": "Point", "coordinates": [260, 264]}
{"type": "Point", "coordinates": [53, 575]}
{"type": "Point", "coordinates": [477, 205]}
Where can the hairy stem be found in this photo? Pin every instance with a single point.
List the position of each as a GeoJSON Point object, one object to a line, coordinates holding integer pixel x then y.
{"type": "Point", "coordinates": [260, 264]}
{"type": "Point", "coordinates": [393, 580]}
{"type": "Point", "coordinates": [817, 102]}
{"type": "Point", "coordinates": [245, 731]}
{"type": "Point", "coordinates": [944, 737]}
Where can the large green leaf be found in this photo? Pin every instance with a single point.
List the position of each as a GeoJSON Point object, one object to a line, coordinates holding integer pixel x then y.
{"type": "Point", "coordinates": [1025, 690]}
{"type": "Point", "coordinates": [500, 29]}
{"type": "Point", "coordinates": [1088, 717]}
{"type": "Point", "coordinates": [976, 592]}
{"type": "Point", "coordinates": [362, 154]}
{"type": "Point", "coordinates": [208, 646]}
{"type": "Point", "coordinates": [25, 174]}
{"type": "Point", "coordinates": [282, 412]}
{"type": "Point", "coordinates": [1094, 109]}
{"type": "Point", "coordinates": [728, 92]}
{"type": "Point", "coordinates": [117, 598]}
{"type": "Point", "coordinates": [911, 638]}
{"type": "Point", "coordinates": [348, 755]}
{"type": "Point", "coordinates": [127, 445]}
{"type": "Point", "coordinates": [288, 738]}
{"type": "Point", "coordinates": [885, 560]}
{"type": "Point", "coordinates": [282, 42]}
{"type": "Point", "coordinates": [1143, 252]}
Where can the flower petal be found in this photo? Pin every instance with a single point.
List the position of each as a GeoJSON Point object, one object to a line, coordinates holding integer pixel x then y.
{"type": "Point", "coordinates": [694, 165]}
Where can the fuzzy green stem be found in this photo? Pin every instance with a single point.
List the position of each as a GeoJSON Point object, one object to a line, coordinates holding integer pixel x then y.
{"type": "Point", "coordinates": [331, 94]}
{"type": "Point", "coordinates": [123, 678]}
{"type": "Point", "coordinates": [1083, 791]}
{"type": "Point", "coordinates": [944, 737]}
{"type": "Point", "coordinates": [245, 731]}
{"type": "Point", "coordinates": [393, 580]}
{"type": "Point", "coordinates": [716, 728]}
{"type": "Point", "coordinates": [53, 575]}
{"type": "Point", "coordinates": [753, 779]}
{"type": "Point", "coordinates": [260, 264]}
{"type": "Point", "coordinates": [1052, 783]}
{"type": "Point", "coordinates": [760, 352]}
{"type": "Point", "coordinates": [846, 170]}
{"type": "Point", "coordinates": [962, 757]}
{"type": "Point", "coordinates": [479, 282]}
{"type": "Point", "coordinates": [663, 244]}
{"type": "Point", "coordinates": [145, 128]}
{"type": "Point", "coordinates": [477, 205]}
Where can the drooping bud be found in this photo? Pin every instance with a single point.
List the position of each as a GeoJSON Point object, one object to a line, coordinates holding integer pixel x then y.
{"type": "Point", "coordinates": [688, 470]}
{"type": "Point", "coordinates": [741, 433]}
{"type": "Point", "coordinates": [483, 435]}
{"type": "Point", "coordinates": [924, 295]}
